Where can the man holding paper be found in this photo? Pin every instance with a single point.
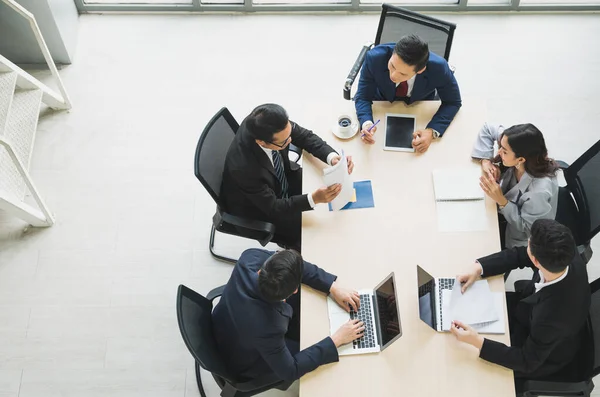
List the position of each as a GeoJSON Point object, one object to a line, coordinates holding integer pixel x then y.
{"type": "Point", "coordinates": [548, 333]}
{"type": "Point", "coordinates": [259, 182]}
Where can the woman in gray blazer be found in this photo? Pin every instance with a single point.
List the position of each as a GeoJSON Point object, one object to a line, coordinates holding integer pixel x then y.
{"type": "Point", "coordinates": [521, 178]}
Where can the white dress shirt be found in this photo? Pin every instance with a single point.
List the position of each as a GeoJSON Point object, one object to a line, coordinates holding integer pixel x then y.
{"type": "Point", "coordinates": [269, 154]}
{"type": "Point", "coordinates": [411, 84]}
{"type": "Point", "coordinates": [543, 283]}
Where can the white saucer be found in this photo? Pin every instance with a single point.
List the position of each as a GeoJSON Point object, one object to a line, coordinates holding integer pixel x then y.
{"type": "Point", "coordinates": [337, 133]}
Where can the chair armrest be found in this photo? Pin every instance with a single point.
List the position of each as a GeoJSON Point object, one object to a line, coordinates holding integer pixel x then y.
{"type": "Point", "coordinates": [268, 229]}
{"type": "Point", "coordinates": [536, 387]}
{"type": "Point", "coordinates": [520, 285]}
{"type": "Point", "coordinates": [355, 69]}
{"type": "Point", "coordinates": [263, 383]}
{"type": "Point", "coordinates": [585, 252]}
{"type": "Point", "coordinates": [297, 150]}
{"type": "Point", "coordinates": [563, 165]}
{"type": "Point", "coordinates": [215, 293]}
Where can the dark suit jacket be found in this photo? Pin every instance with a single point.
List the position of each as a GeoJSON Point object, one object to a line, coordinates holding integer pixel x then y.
{"type": "Point", "coordinates": [375, 85]}
{"type": "Point", "coordinates": [250, 187]}
{"type": "Point", "coordinates": [552, 319]}
{"type": "Point", "coordinates": [250, 331]}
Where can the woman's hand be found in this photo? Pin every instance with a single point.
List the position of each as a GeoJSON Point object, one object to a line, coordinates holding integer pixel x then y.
{"type": "Point", "coordinates": [492, 189]}
{"type": "Point", "coordinates": [490, 168]}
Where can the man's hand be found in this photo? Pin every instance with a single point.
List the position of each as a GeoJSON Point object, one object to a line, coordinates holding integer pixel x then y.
{"type": "Point", "coordinates": [491, 169]}
{"type": "Point", "coordinates": [348, 332]}
{"type": "Point", "coordinates": [337, 158]}
{"type": "Point", "coordinates": [326, 194]}
{"type": "Point", "coordinates": [345, 297]}
{"type": "Point", "coordinates": [422, 139]}
{"type": "Point", "coordinates": [366, 135]}
{"type": "Point", "coordinates": [468, 279]}
{"type": "Point", "coordinates": [492, 189]}
{"type": "Point", "coordinates": [465, 333]}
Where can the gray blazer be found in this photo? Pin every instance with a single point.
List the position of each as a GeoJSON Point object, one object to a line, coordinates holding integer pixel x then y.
{"type": "Point", "coordinates": [529, 199]}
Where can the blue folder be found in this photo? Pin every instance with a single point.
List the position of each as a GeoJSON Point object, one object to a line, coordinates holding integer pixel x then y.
{"type": "Point", "coordinates": [364, 196]}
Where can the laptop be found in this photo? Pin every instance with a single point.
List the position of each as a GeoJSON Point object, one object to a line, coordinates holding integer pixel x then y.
{"type": "Point", "coordinates": [380, 314]}
{"type": "Point", "coordinates": [434, 298]}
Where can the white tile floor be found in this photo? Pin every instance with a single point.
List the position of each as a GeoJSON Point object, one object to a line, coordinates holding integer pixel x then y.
{"type": "Point", "coordinates": [87, 306]}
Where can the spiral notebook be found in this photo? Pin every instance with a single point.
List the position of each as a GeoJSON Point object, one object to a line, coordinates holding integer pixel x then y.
{"type": "Point", "coordinates": [457, 184]}
{"type": "Point", "coordinates": [459, 200]}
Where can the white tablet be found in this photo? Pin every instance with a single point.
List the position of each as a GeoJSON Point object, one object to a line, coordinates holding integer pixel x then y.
{"type": "Point", "coordinates": [399, 130]}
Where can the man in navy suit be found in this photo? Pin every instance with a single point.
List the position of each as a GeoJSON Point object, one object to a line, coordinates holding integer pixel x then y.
{"type": "Point", "coordinates": [407, 71]}
{"type": "Point", "coordinates": [256, 322]}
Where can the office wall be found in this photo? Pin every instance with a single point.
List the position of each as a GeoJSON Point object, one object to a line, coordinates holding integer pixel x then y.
{"type": "Point", "coordinates": [57, 20]}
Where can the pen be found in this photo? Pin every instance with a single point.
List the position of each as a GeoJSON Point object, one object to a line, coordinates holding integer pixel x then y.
{"type": "Point", "coordinates": [371, 127]}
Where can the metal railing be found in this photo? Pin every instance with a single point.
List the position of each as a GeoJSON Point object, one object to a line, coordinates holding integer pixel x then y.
{"type": "Point", "coordinates": [197, 6]}
{"type": "Point", "coordinates": [25, 80]}
{"type": "Point", "coordinates": [42, 216]}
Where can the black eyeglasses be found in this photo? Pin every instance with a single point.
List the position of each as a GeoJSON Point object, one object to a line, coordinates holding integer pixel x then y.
{"type": "Point", "coordinates": [282, 145]}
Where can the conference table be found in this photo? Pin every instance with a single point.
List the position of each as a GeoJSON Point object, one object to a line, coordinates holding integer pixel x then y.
{"type": "Point", "coordinates": [362, 246]}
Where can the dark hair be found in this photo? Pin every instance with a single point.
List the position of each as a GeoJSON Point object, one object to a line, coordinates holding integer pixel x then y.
{"type": "Point", "coordinates": [267, 120]}
{"type": "Point", "coordinates": [528, 142]}
{"type": "Point", "coordinates": [413, 51]}
{"type": "Point", "coordinates": [280, 275]}
{"type": "Point", "coordinates": [552, 244]}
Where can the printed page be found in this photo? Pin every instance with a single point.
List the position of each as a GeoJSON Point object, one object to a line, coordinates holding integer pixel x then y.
{"type": "Point", "coordinates": [475, 306]}
{"type": "Point", "coordinates": [339, 174]}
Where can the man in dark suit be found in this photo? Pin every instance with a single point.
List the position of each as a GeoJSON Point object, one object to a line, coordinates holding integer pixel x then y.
{"type": "Point", "coordinates": [407, 71]}
{"type": "Point", "coordinates": [548, 332]}
{"type": "Point", "coordinates": [259, 182]}
{"type": "Point", "coordinates": [256, 322]}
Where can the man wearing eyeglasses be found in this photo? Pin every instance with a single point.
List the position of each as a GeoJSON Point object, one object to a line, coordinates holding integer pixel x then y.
{"type": "Point", "coordinates": [259, 181]}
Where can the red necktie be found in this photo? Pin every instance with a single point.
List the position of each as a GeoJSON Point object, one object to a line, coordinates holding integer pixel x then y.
{"type": "Point", "coordinates": [402, 90]}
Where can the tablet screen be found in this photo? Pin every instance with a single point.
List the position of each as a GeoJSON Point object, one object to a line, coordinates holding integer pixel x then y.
{"type": "Point", "coordinates": [398, 132]}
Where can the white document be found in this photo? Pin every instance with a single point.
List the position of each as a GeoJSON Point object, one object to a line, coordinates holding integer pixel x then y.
{"type": "Point", "coordinates": [339, 174]}
{"type": "Point", "coordinates": [457, 184]}
{"type": "Point", "coordinates": [461, 216]}
{"type": "Point", "coordinates": [475, 306]}
{"type": "Point", "coordinates": [491, 327]}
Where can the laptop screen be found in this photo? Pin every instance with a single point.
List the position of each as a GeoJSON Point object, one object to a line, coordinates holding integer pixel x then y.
{"type": "Point", "coordinates": [388, 312]}
{"type": "Point", "coordinates": [426, 288]}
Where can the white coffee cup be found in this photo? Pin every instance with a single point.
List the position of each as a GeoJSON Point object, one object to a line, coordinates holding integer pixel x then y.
{"type": "Point", "coordinates": [344, 125]}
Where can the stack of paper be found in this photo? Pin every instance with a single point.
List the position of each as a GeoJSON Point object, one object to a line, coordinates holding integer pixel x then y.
{"type": "Point", "coordinates": [339, 174]}
{"type": "Point", "coordinates": [477, 307]}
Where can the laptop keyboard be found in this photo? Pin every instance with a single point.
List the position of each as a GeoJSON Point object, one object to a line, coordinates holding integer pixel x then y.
{"type": "Point", "coordinates": [364, 314]}
{"type": "Point", "coordinates": [443, 283]}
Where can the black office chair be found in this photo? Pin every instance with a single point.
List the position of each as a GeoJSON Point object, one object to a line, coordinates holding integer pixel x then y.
{"type": "Point", "coordinates": [534, 388]}
{"type": "Point", "coordinates": [194, 315]}
{"type": "Point", "coordinates": [396, 22]}
{"type": "Point", "coordinates": [579, 201]}
{"type": "Point", "coordinates": [209, 163]}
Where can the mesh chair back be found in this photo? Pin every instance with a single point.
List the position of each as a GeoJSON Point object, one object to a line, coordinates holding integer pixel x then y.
{"type": "Point", "coordinates": [195, 323]}
{"type": "Point", "coordinates": [396, 22]}
{"type": "Point", "coordinates": [211, 151]}
{"type": "Point", "coordinates": [583, 179]}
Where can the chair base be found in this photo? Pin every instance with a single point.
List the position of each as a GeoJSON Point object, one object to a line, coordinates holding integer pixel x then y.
{"type": "Point", "coordinates": [211, 247]}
